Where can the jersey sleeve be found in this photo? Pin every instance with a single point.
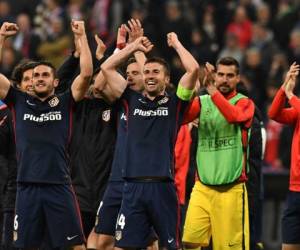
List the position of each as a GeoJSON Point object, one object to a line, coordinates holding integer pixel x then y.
{"type": "Point", "coordinates": [193, 111]}
{"type": "Point", "coordinates": [241, 112]}
{"type": "Point", "coordinates": [12, 95]}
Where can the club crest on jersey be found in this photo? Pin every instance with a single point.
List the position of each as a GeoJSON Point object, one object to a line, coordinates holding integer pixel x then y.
{"type": "Point", "coordinates": [54, 102]}
{"type": "Point", "coordinates": [118, 235]}
{"type": "Point", "coordinates": [106, 115]}
{"type": "Point", "coordinates": [164, 100]}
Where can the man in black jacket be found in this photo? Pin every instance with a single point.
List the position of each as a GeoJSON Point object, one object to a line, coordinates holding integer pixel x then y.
{"type": "Point", "coordinates": [93, 140]}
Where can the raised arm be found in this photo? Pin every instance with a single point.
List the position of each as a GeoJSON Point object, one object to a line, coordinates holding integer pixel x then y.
{"type": "Point", "coordinates": [109, 67]}
{"type": "Point", "coordinates": [113, 91]}
{"type": "Point", "coordinates": [290, 81]}
{"type": "Point", "coordinates": [277, 110]}
{"type": "Point", "coordinates": [6, 30]}
{"type": "Point", "coordinates": [81, 83]}
{"type": "Point", "coordinates": [135, 30]}
{"type": "Point", "coordinates": [188, 80]}
{"type": "Point", "coordinates": [67, 72]}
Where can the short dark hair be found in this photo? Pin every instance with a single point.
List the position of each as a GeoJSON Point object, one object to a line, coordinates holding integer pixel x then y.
{"type": "Point", "coordinates": [229, 61]}
{"type": "Point", "coordinates": [160, 61]}
{"type": "Point", "coordinates": [50, 65]}
{"type": "Point", "coordinates": [130, 61]}
{"type": "Point", "coordinates": [24, 65]}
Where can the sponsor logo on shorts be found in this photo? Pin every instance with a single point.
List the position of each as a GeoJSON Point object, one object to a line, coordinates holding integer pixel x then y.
{"type": "Point", "coordinates": [118, 235]}
{"type": "Point", "coordinates": [72, 237]}
{"type": "Point", "coordinates": [170, 240]}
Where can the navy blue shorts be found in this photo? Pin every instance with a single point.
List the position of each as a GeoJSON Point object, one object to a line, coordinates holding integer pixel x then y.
{"type": "Point", "coordinates": [46, 210]}
{"type": "Point", "coordinates": [7, 230]}
{"type": "Point", "coordinates": [291, 219]}
{"type": "Point", "coordinates": [109, 207]}
{"type": "Point", "coordinates": [148, 205]}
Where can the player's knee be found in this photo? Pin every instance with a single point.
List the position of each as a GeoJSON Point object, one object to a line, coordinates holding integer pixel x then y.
{"type": "Point", "coordinates": [153, 245]}
{"type": "Point", "coordinates": [188, 245]}
{"type": "Point", "coordinates": [79, 247]}
{"type": "Point", "coordinates": [105, 242]}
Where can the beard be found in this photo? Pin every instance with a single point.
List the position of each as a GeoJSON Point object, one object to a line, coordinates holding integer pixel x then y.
{"type": "Point", "coordinates": [44, 93]}
{"type": "Point", "coordinates": [155, 92]}
{"type": "Point", "coordinates": [225, 89]}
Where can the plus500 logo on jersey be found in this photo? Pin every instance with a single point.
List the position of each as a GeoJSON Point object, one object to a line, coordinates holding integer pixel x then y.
{"type": "Point", "coordinates": [157, 112]}
{"type": "Point", "coordinates": [51, 116]}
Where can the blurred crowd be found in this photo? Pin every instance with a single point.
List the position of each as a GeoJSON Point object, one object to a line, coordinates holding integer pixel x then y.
{"type": "Point", "coordinates": [264, 36]}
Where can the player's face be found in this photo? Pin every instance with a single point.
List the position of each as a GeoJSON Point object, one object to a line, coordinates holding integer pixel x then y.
{"type": "Point", "coordinates": [155, 78]}
{"type": "Point", "coordinates": [134, 77]}
{"type": "Point", "coordinates": [43, 81]}
{"type": "Point", "coordinates": [26, 82]}
{"type": "Point", "coordinates": [226, 78]}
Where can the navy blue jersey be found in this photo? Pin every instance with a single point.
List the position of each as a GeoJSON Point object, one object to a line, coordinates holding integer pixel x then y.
{"type": "Point", "coordinates": [151, 134]}
{"type": "Point", "coordinates": [42, 135]}
{"type": "Point", "coordinates": [120, 152]}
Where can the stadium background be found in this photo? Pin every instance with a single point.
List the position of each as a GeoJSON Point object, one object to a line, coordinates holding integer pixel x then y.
{"type": "Point", "coordinates": [264, 36]}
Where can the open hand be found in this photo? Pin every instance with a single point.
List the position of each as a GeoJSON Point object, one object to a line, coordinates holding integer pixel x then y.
{"type": "Point", "coordinates": [134, 30]}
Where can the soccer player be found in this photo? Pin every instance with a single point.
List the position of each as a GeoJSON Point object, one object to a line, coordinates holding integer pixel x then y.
{"type": "Point", "coordinates": [218, 204]}
{"type": "Point", "coordinates": [21, 77]}
{"type": "Point", "coordinates": [111, 203]}
{"type": "Point", "coordinates": [45, 200]}
{"type": "Point", "coordinates": [278, 112]}
{"type": "Point", "coordinates": [153, 118]}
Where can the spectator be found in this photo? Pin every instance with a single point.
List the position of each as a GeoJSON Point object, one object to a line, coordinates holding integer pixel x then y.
{"type": "Point", "coordinates": [232, 48]}
{"type": "Point", "coordinates": [26, 42]}
{"type": "Point", "coordinates": [57, 44]}
{"type": "Point", "coordinates": [241, 26]}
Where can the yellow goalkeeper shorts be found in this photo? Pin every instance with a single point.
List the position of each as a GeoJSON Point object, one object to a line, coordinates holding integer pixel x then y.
{"type": "Point", "coordinates": [220, 212]}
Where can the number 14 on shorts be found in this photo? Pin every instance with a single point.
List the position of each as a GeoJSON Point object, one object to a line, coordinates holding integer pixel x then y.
{"type": "Point", "coordinates": [121, 221]}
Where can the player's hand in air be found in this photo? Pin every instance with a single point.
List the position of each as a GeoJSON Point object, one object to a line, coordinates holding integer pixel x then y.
{"type": "Point", "coordinates": [143, 44]}
{"type": "Point", "coordinates": [134, 30]}
{"type": "Point", "coordinates": [101, 48]}
{"type": "Point", "coordinates": [8, 29]}
{"type": "Point", "coordinates": [78, 28]}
